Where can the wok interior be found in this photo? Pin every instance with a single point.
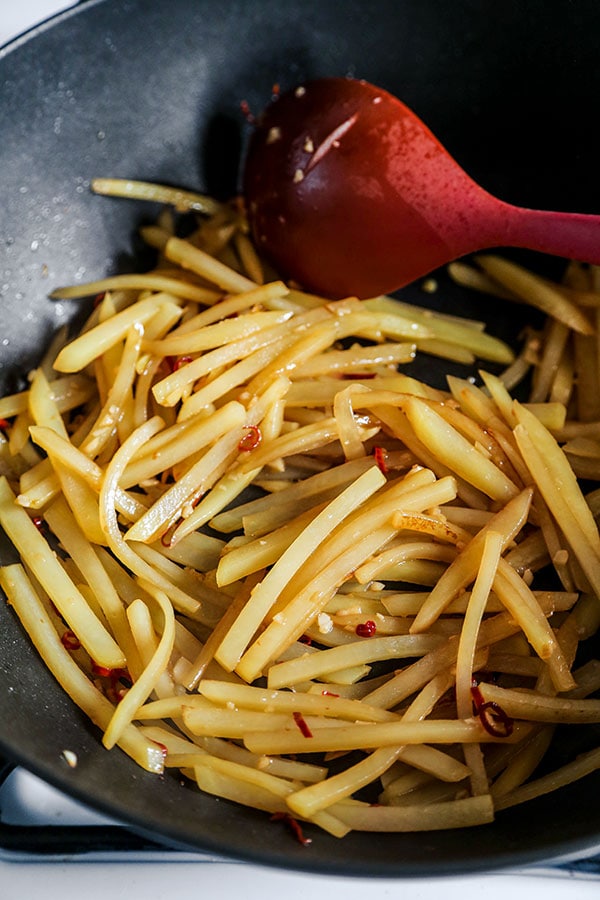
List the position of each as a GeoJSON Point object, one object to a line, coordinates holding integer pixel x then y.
{"type": "Point", "coordinates": [134, 90]}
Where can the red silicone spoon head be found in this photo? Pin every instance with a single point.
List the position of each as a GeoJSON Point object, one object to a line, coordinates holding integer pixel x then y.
{"type": "Point", "coordinates": [349, 193]}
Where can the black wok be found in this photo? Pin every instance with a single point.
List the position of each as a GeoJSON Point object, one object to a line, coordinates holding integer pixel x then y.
{"type": "Point", "coordinates": [152, 89]}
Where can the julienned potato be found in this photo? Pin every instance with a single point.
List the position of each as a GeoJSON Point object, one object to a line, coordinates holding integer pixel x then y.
{"type": "Point", "coordinates": [376, 601]}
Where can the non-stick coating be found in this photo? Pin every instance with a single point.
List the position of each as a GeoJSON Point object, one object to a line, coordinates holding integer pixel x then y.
{"type": "Point", "coordinates": [149, 89]}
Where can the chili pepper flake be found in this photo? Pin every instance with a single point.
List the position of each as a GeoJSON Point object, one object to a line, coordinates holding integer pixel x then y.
{"type": "Point", "coordinates": [294, 827]}
{"type": "Point", "coordinates": [167, 538]}
{"type": "Point", "coordinates": [380, 456]}
{"type": "Point", "coordinates": [302, 725]}
{"type": "Point", "coordinates": [106, 672]}
{"type": "Point", "coordinates": [181, 361]}
{"type": "Point", "coordinates": [251, 439]}
{"type": "Point", "coordinates": [491, 715]}
{"type": "Point", "coordinates": [70, 641]}
{"type": "Point", "coordinates": [366, 629]}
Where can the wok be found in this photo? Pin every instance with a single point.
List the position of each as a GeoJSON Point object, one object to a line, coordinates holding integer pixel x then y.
{"type": "Point", "coordinates": [152, 90]}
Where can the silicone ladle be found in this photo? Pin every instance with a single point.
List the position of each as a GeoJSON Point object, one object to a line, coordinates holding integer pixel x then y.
{"type": "Point", "coordinates": [349, 193]}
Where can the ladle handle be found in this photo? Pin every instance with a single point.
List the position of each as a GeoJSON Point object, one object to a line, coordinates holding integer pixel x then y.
{"type": "Point", "coordinates": [571, 235]}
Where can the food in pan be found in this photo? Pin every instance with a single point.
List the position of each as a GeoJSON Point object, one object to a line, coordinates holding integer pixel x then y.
{"type": "Point", "coordinates": [256, 550]}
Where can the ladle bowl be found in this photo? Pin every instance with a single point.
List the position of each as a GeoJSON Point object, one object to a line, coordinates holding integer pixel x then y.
{"type": "Point", "coordinates": [349, 193]}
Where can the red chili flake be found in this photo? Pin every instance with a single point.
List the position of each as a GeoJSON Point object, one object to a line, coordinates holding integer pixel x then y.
{"type": "Point", "coordinates": [106, 672]}
{"type": "Point", "coordinates": [70, 641]}
{"type": "Point", "coordinates": [380, 456]}
{"type": "Point", "coordinates": [491, 715]}
{"type": "Point", "coordinates": [495, 721]}
{"type": "Point", "coordinates": [245, 108]}
{"type": "Point", "coordinates": [38, 522]}
{"type": "Point", "coordinates": [179, 362]}
{"type": "Point", "coordinates": [119, 681]}
{"type": "Point", "coordinates": [476, 695]}
{"type": "Point", "coordinates": [366, 629]}
{"type": "Point", "coordinates": [4, 424]}
{"type": "Point", "coordinates": [329, 694]}
{"type": "Point", "coordinates": [305, 639]}
{"type": "Point", "coordinates": [101, 671]}
{"type": "Point", "coordinates": [98, 299]}
{"type": "Point", "coordinates": [294, 827]}
{"type": "Point", "coordinates": [301, 723]}
{"type": "Point", "coordinates": [252, 439]}
{"type": "Point", "coordinates": [167, 537]}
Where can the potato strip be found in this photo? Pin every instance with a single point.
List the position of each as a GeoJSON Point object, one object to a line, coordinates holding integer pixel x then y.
{"type": "Point", "coordinates": [64, 594]}
{"type": "Point", "coordinates": [535, 290]}
{"type": "Point", "coordinates": [355, 737]}
{"type": "Point", "coordinates": [147, 680]}
{"type": "Point", "coordinates": [265, 594]}
{"type": "Point", "coordinates": [92, 344]}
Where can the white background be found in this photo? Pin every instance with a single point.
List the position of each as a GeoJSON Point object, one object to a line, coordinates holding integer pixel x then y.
{"type": "Point", "coordinates": [18, 15]}
{"type": "Point", "coordinates": [159, 881]}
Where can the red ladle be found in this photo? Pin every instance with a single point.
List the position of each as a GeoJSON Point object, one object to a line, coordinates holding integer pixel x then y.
{"type": "Point", "coordinates": [349, 193]}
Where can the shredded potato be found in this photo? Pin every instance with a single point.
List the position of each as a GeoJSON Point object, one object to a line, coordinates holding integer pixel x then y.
{"type": "Point", "coordinates": [246, 533]}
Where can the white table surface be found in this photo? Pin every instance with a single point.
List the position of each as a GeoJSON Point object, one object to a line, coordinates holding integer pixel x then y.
{"type": "Point", "coordinates": [157, 880]}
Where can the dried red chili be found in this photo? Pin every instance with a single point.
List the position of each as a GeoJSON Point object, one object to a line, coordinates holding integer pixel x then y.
{"type": "Point", "coordinates": [70, 641]}
{"type": "Point", "coordinates": [366, 629]}
{"type": "Point", "coordinates": [380, 456]}
{"type": "Point", "coordinates": [476, 695]}
{"type": "Point", "coordinates": [251, 439]}
{"type": "Point", "coordinates": [38, 522]}
{"type": "Point", "coordinates": [181, 361]}
{"type": "Point", "coordinates": [294, 827]}
{"type": "Point", "coordinates": [101, 671]}
{"type": "Point", "coordinates": [4, 424]}
{"type": "Point", "coordinates": [167, 537]}
{"type": "Point", "coordinates": [118, 681]}
{"type": "Point", "coordinates": [494, 719]}
{"type": "Point", "coordinates": [302, 725]}
{"type": "Point", "coordinates": [106, 672]}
